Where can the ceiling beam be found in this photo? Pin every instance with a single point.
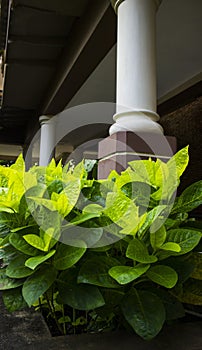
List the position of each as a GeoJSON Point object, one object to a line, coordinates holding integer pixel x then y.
{"type": "Point", "coordinates": [64, 7]}
{"type": "Point", "coordinates": [89, 41]}
{"type": "Point", "coordinates": [30, 62]}
{"type": "Point", "coordinates": [53, 41]}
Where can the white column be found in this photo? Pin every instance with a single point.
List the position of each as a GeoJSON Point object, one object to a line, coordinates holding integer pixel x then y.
{"type": "Point", "coordinates": [136, 67]}
{"type": "Point", "coordinates": [28, 157]}
{"type": "Point", "coordinates": [47, 142]}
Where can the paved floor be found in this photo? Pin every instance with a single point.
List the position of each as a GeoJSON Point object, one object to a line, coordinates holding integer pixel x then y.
{"type": "Point", "coordinates": [26, 330]}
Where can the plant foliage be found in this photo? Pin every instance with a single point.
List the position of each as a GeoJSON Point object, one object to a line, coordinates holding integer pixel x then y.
{"type": "Point", "coordinates": [97, 252]}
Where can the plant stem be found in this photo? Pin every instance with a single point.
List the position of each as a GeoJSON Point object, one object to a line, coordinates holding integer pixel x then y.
{"type": "Point", "coordinates": [74, 319]}
{"type": "Point", "coordinates": [64, 324]}
{"type": "Point", "coordinates": [40, 305]}
{"type": "Point", "coordinates": [53, 314]}
{"type": "Point", "coordinates": [140, 281]}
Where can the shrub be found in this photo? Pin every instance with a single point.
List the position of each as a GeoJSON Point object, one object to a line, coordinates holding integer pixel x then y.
{"type": "Point", "coordinates": [100, 253]}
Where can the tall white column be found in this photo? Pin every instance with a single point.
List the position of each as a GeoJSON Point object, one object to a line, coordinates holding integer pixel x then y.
{"type": "Point", "coordinates": [136, 67]}
{"type": "Point", "coordinates": [28, 157]}
{"type": "Point", "coordinates": [47, 142]}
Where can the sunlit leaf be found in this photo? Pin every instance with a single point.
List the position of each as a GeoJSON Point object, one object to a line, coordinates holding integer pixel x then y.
{"type": "Point", "coordinates": [35, 261]}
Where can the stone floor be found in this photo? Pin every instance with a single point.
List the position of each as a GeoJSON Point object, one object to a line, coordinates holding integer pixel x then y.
{"type": "Point", "coordinates": [26, 330]}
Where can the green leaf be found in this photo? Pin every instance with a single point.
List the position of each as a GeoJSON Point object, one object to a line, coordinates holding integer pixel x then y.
{"type": "Point", "coordinates": [95, 271]}
{"type": "Point", "coordinates": [182, 265]}
{"type": "Point", "coordinates": [82, 218]}
{"type": "Point", "coordinates": [26, 229]}
{"type": "Point", "coordinates": [80, 321]}
{"type": "Point", "coordinates": [127, 274]}
{"type": "Point", "coordinates": [158, 238]}
{"type": "Point", "coordinates": [167, 175]}
{"type": "Point", "coordinates": [145, 312]}
{"type": "Point", "coordinates": [137, 251]}
{"type": "Point", "coordinates": [179, 161]}
{"type": "Point", "coordinates": [93, 209]}
{"type": "Point", "coordinates": [165, 182]}
{"type": "Point", "coordinates": [47, 203]}
{"type": "Point", "coordinates": [196, 258]}
{"type": "Point", "coordinates": [190, 292]}
{"type": "Point", "coordinates": [35, 241]}
{"type": "Point", "coordinates": [19, 243]}
{"type": "Point", "coordinates": [143, 171]}
{"type": "Point", "coordinates": [65, 319]}
{"type": "Point", "coordinates": [89, 164]}
{"type": "Point", "coordinates": [120, 209]}
{"type": "Point", "coordinates": [151, 220]}
{"type": "Point", "coordinates": [78, 296]}
{"type": "Point", "coordinates": [30, 180]}
{"type": "Point", "coordinates": [163, 275]}
{"type": "Point", "coordinates": [112, 297]}
{"type": "Point", "coordinates": [190, 199]}
{"type": "Point", "coordinates": [72, 191]}
{"type": "Point", "coordinates": [8, 283]}
{"type": "Point", "coordinates": [19, 164]}
{"type": "Point", "coordinates": [170, 246]}
{"type": "Point", "coordinates": [17, 268]}
{"type": "Point", "coordinates": [49, 237]}
{"type": "Point", "coordinates": [174, 308]}
{"type": "Point", "coordinates": [6, 209]}
{"type": "Point", "coordinates": [38, 283]}
{"type": "Point", "coordinates": [66, 256]}
{"type": "Point", "coordinates": [62, 204]}
{"type": "Point", "coordinates": [13, 299]}
{"type": "Point", "coordinates": [139, 192]}
{"type": "Point", "coordinates": [33, 262]}
{"type": "Point", "coordinates": [55, 186]}
{"type": "Point", "coordinates": [79, 171]}
{"type": "Point", "coordinates": [187, 239]}
{"type": "Point", "coordinates": [161, 175]}
{"type": "Point", "coordinates": [81, 236]}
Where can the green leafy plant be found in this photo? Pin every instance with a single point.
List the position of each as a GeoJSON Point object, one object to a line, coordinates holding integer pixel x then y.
{"type": "Point", "coordinates": [98, 254]}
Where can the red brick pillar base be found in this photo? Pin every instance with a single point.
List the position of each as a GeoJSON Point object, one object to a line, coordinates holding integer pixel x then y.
{"type": "Point", "coordinates": [117, 150]}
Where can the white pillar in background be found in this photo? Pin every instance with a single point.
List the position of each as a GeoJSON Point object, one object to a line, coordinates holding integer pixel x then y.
{"type": "Point", "coordinates": [136, 67]}
{"type": "Point", "coordinates": [28, 157]}
{"type": "Point", "coordinates": [47, 141]}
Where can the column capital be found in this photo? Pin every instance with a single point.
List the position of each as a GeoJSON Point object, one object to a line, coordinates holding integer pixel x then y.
{"type": "Point", "coordinates": [44, 119]}
{"type": "Point", "coordinates": [116, 3]}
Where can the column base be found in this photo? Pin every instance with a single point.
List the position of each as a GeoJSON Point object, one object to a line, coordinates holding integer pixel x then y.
{"type": "Point", "coordinates": [117, 150]}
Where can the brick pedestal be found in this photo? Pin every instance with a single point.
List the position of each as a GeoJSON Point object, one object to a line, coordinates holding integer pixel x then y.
{"type": "Point", "coordinates": [117, 150]}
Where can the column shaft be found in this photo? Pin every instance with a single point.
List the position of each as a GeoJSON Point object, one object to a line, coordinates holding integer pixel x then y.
{"type": "Point", "coordinates": [136, 67]}
{"type": "Point", "coordinates": [47, 142]}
